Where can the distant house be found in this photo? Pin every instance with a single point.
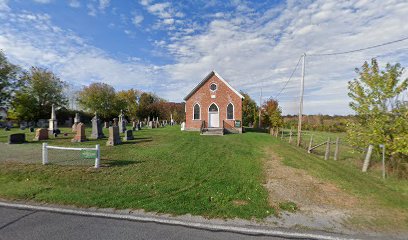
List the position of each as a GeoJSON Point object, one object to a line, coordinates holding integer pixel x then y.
{"type": "Point", "coordinates": [214, 105]}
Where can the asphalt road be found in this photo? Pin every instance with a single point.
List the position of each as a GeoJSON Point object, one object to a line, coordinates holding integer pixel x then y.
{"type": "Point", "coordinates": [18, 224]}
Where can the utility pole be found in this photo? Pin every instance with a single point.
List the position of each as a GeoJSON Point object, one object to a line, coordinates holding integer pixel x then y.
{"type": "Point", "coordinates": [260, 108]}
{"type": "Point", "coordinates": [302, 88]}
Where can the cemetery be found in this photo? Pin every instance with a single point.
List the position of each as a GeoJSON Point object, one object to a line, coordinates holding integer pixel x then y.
{"type": "Point", "coordinates": [167, 170]}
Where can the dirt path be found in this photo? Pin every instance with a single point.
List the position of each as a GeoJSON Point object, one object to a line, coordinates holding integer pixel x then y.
{"type": "Point", "coordinates": [321, 205]}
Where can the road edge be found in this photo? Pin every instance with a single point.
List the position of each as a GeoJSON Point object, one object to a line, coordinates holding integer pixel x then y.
{"type": "Point", "coordinates": [167, 221]}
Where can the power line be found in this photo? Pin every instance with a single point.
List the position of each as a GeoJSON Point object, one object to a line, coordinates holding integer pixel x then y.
{"type": "Point", "coordinates": [358, 50]}
{"type": "Point", "coordinates": [291, 75]}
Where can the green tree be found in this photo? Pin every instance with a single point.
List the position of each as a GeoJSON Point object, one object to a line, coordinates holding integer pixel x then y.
{"type": "Point", "coordinates": [272, 114]}
{"type": "Point", "coordinates": [128, 100]}
{"type": "Point", "coordinates": [380, 117]}
{"type": "Point", "coordinates": [147, 107]}
{"type": "Point", "coordinates": [100, 98]}
{"type": "Point", "coordinates": [249, 110]}
{"type": "Point", "coordinates": [39, 90]}
{"type": "Point", "coordinates": [8, 79]}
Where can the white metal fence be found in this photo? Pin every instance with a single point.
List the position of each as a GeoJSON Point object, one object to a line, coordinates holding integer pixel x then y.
{"type": "Point", "coordinates": [86, 153]}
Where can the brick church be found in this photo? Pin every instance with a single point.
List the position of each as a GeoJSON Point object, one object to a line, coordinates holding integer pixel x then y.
{"type": "Point", "coordinates": [214, 106]}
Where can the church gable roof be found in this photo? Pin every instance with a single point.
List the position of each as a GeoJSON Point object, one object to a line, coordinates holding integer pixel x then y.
{"type": "Point", "coordinates": [206, 79]}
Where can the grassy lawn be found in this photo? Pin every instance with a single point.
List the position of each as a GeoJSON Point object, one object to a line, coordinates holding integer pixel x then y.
{"type": "Point", "coordinates": [163, 170]}
{"type": "Point", "coordinates": [170, 171]}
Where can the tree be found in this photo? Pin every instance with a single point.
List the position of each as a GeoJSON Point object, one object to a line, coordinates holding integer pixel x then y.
{"type": "Point", "coordinates": [380, 117]}
{"type": "Point", "coordinates": [249, 110]}
{"type": "Point", "coordinates": [271, 114]}
{"type": "Point", "coordinates": [8, 79]}
{"type": "Point", "coordinates": [39, 90]}
{"type": "Point", "coordinates": [146, 108]}
{"type": "Point", "coordinates": [100, 98]}
{"type": "Point", "coordinates": [128, 100]}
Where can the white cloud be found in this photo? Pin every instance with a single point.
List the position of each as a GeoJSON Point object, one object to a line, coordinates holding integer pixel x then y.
{"type": "Point", "coordinates": [32, 40]}
{"type": "Point", "coordinates": [137, 19]}
{"type": "Point", "coordinates": [4, 6]}
{"type": "Point", "coordinates": [250, 49]}
{"type": "Point", "coordinates": [262, 49]}
{"type": "Point", "coordinates": [168, 21]}
{"type": "Point", "coordinates": [96, 6]}
{"type": "Point", "coordinates": [42, 1]}
{"type": "Point", "coordinates": [103, 4]}
{"type": "Point", "coordinates": [145, 2]}
{"type": "Point", "coordinates": [74, 3]}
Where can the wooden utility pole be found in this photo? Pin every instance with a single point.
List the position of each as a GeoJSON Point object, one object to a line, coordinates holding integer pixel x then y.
{"type": "Point", "coordinates": [260, 108]}
{"type": "Point", "coordinates": [302, 88]}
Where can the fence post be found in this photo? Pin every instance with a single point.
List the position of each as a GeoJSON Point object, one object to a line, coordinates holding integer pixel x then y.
{"type": "Point", "coordinates": [290, 136]}
{"type": "Point", "coordinates": [383, 160]}
{"type": "Point", "coordinates": [309, 150]}
{"type": "Point", "coordinates": [98, 156]}
{"type": "Point", "coordinates": [336, 150]}
{"type": "Point", "coordinates": [44, 154]}
{"type": "Point", "coordinates": [367, 158]}
{"type": "Point", "coordinates": [327, 154]}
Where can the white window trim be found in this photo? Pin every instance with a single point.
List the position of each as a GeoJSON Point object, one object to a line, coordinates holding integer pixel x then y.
{"type": "Point", "coordinates": [199, 117]}
{"type": "Point", "coordinates": [208, 109]}
{"type": "Point", "coordinates": [233, 112]}
{"type": "Point", "coordinates": [216, 88]}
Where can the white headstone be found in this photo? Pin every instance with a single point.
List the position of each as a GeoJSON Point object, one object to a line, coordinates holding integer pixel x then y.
{"type": "Point", "coordinates": [52, 123]}
{"type": "Point", "coordinates": [183, 126]}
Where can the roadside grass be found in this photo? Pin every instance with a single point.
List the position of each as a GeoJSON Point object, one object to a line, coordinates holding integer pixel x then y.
{"type": "Point", "coordinates": [169, 171]}
{"type": "Point", "coordinates": [162, 170]}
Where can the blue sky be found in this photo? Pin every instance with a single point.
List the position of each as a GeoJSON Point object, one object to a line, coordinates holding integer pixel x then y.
{"type": "Point", "coordinates": [167, 47]}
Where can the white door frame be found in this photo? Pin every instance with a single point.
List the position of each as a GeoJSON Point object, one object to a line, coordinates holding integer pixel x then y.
{"type": "Point", "coordinates": [218, 113]}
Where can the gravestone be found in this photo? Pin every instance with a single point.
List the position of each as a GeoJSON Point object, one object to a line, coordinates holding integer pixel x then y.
{"type": "Point", "coordinates": [41, 134]}
{"type": "Point", "coordinates": [171, 120]}
{"type": "Point", "coordinates": [80, 133]}
{"type": "Point", "coordinates": [52, 122]}
{"type": "Point", "coordinates": [31, 129]}
{"type": "Point", "coordinates": [77, 120]}
{"type": "Point", "coordinates": [114, 138]}
{"type": "Point", "coordinates": [128, 135]}
{"type": "Point", "coordinates": [151, 124]}
{"type": "Point", "coordinates": [183, 126]}
{"type": "Point", "coordinates": [122, 122]}
{"type": "Point", "coordinates": [96, 128]}
{"type": "Point", "coordinates": [16, 138]}
{"type": "Point", "coordinates": [115, 122]}
{"type": "Point", "coordinates": [7, 128]}
{"type": "Point", "coordinates": [134, 125]}
{"type": "Point", "coordinates": [106, 125]}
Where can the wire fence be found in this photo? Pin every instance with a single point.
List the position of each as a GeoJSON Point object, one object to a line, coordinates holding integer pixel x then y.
{"type": "Point", "coordinates": [316, 143]}
{"type": "Point", "coordinates": [33, 154]}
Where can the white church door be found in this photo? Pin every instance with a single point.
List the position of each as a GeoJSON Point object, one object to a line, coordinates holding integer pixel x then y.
{"type": "Point", "coordinates": [213, 116]}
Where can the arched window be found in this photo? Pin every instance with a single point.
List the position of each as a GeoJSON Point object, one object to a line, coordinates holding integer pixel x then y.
{"type": "Point", "coordinates": [230, 111]}
{"type": "Point", "coordinates": [196, 115]}
{"type": "Point", "coordinates": [213, 108]}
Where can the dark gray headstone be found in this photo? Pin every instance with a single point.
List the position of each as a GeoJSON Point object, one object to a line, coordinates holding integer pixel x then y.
{"type": "Point", "coordinates": [16, 138]}
{"type": "Point", "coordinates": [31, 129]}
{"type": "Point", "coordinates": [96, 128]}
{"type": "Point", "coordinates": [128, 135]}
